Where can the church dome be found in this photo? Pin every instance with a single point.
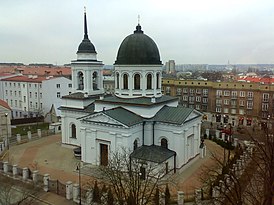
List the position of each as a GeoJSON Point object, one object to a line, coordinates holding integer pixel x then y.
{"type": "Point", "coordinates": [86, 47]}
{"type": "Point", "coordinates": [138, 49]}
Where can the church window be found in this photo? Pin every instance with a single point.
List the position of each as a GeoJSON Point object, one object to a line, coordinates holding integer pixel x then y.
{"type": "Point", "coordinates": [125, 81]}
{"type": "Point", "coordinates": [135, 144]}
{"type": "Point", "coordinates": [158, 80]}
{"type": "Point", "coordinates": [80, 81]}
{"type": "Point", "coordinates": [164, 143]}
{"type": "Point", "coordinates": [73, 131]}
{"type": "Point", "coordinates": [149, 81]}
{"type": "Point", "coordinates": [137, 82]}
{"type": "Point", "coordinates": [117, 80]}
{"type": "Point", "coordinates": [95, 81]}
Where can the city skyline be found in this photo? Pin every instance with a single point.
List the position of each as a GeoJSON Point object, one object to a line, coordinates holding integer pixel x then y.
{"type": "Point", "coordinates": [197, 32]}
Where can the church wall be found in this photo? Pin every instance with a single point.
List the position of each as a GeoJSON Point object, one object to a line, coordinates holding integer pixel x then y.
{"type": "Point", "coordinates": [115, 137]}
{"type": "Point", "coordinates": [69, 118]}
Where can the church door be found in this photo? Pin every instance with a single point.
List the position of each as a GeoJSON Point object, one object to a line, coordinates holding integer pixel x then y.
{"type": "Point", "coordinates": [103, 154]}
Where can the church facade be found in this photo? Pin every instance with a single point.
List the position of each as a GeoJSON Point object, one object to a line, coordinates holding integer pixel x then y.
{"type": "Point", "coordinates": [137, 117]}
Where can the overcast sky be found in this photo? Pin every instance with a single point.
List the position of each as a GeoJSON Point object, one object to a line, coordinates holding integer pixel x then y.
{"type": "Point", "coordinates": [188, 31]}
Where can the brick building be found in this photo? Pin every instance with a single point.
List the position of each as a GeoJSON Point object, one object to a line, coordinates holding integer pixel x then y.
{"type": "Point", "coordinates": [238, 103]}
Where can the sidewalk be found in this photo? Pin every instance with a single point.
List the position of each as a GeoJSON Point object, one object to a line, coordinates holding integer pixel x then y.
{"type": "Point", "coordinates": [49, 157]}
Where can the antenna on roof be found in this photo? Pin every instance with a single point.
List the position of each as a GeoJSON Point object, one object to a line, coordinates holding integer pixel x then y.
{"type": "Point", "coordinates": [85, 24]}
{"type": "Point", "coordinates": [138, 19]}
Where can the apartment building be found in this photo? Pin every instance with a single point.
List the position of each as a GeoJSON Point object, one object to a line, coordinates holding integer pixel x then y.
{"type": "Point", "coordinates": [238, 103]}
{"type": "Point", "coordinates": [30, 96]}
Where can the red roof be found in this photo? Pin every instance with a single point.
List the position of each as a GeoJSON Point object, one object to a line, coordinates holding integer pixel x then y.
{"type": "Point", "coordinates": [4, 104]}
{"type": "Point", "coordinates": [23, 78]}
{"type": "Point", "coordinates": [264, 80]}
{"type": "Point", "coordinates": [37, 70]}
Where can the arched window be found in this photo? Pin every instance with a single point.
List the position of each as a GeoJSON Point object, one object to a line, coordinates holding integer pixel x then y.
{"type": "Point", "coordinates": [95, 81]}
{"type": "Point", "coordinates": [80, 81]}
{"type": "Point", "coordinates": [137, 82]}
{"type": "Point", "coordinates": [73, 131]}
{"type": "Point", "coordinates": [164, 143]}
{"type": "Point", "coordinates": [117, 80]}
{"type": "Point", "coordinates": [158, 80]}
{"type": "Point", "coordinates": [125, 81]}
{"type": "Point", "coordinates": [135, 144]}
{"type": "Point", "coordinates": [149, 81]}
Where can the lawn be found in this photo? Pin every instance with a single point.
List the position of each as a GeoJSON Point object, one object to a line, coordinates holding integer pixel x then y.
{"type": "Point", "coordinates": [23, 129]}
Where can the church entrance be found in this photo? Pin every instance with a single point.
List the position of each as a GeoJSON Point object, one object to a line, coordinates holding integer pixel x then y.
{"type": "Point", "coordinates": [103, 154]}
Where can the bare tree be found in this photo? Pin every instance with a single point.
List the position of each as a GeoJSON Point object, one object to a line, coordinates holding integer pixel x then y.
{"type": "Point", "coordinates": [16, 192]}
{"type": "Point", "coordinates": [133, 181]}
{"type": "Point", "coordinates": [253, 182]}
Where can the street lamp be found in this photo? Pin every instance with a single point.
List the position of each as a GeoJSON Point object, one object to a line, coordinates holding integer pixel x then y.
{"type": "Point", "coordinates": [7, 127]}
{"type": "Point", "coordinates": [78, 168]}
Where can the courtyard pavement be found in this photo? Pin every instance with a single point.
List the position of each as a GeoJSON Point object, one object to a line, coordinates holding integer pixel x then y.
{"type": "Point", "coordinates": [49, 157]}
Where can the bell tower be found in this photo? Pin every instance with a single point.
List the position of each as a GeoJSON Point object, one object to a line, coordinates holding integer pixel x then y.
{"type": "Point", "coordinates": [87, 70]}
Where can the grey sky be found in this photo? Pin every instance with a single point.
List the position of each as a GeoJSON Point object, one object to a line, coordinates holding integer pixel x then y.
{"type": "Point", "coordinates": [196, 31]}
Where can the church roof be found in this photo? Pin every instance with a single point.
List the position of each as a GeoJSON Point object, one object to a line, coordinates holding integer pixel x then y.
{"type": "Point", "coordinates": [142, 101]}
{"type": "Point", "coordinates": [79, 95]}
{"type": "Point", "coordinates": [88, 109]}
{"type": "Point", "coordinates": [173, 115]}
{"type": "Point", "coordinates": [124, 116]}
{"type": "Point", "coordinates": [86, 46]}
{"type": "Point", "coordinates": [152, 153]}
{"type": "Point", "coordinates": [138, 49]}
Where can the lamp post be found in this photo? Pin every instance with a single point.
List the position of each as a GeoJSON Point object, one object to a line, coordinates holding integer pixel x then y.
{"type": "Point", "coordinates": [7, 127]}
{"type": "Point", "coordinates": [78, 168]}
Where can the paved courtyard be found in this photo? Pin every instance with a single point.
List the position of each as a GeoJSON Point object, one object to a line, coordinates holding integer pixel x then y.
{"type": "Point", "coordinates": [48, 156]}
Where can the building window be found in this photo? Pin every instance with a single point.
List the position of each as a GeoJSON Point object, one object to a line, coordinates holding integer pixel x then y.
{"type": "Point", "coordinates": [158, 80]}
{"type": "Point", "coordinates": [149, 81]}
{"type": "Point", "coordinates": [198, 91]}
{"type": "Point", "coordinates": [226, 102]}
{"type": "Point", "coordinates": [218, 102]}
{"type": "Point", "coordinates": [250, 94]}
{"type": "Point", "coordinates": [36, 105]}
{"type": "Point", "coordinates": [191, 91]}
{"type": "Point", "coordinates": [19, 92]}
{"type": "Point", "coordinates": [242, 103]}
{"type": "Point", "coordinates": [205, 100]}
{"type": "Point", "coordinates": [30, 94]}
{"type": "Point", "coordinates": [185, 98]}
{"type": "Point", "coordinates": [30, 85]}
{"type": "Point", "coordinates": [15, 93]}
{"type": "Point", "coordinates": [205, 92]}
{"type": "Point", "coordinates": [179, 91]}
{"type": "Point", "coordinates": [249, 104]}
{"type": "Point", "coordinates": [58, 94]}
{"type": "Point", "coordinates": [265, 97]}
{"type": "Point", "coordinates": [198, 98]}
{"type": "Point", "coordinates": [264, 106]}
{"type": "Point", "coordinates": [198, 107]}
{"type": "Point", "coordinates": [24, 99]}
{"type": "Point", "coordinates": [94, 81]}
{"type": "Point", "coordinates": [6, 92]}
{"type": "Point", "coordinates": [70, 85]}
{"type": "Point", "coordinates": [242, 93]}
{"type": "Point", "coordinates": [30, 104]}
{"type": "Point", "coordinates": [125, 81]}
{"type": "Point", "coordinates": [117, 80]}
{"type": "Point", "coordinates": [137, 82]}
{"type": "Point", "coordinates": [36, 95]}
{"type": "Point", "coordinates": [15, 103]}
{"type": "Point", "coordinates": [73, 131]}
{"type": "Point", "coordinates": [11, 93]}
{"type": "Point", "coordinates": [219, 93]}
{"type": "Point", "coordinates": [135, 144]}
{"type": "Point", "coordinates": [80, 81]}
{"type": "Point", "coordinates": [58, 86]}
{"type": "Point", "coordinates": [40, 95]}
{"type": "Point", "coordinates": [226, 93]}
{"type": "Point", "coordinates": [226, 110]}
{"type": "Point", "coordinates": [185, 90]}
{"type": "Point", "coordinates": [218, 109]}
{"type": "Point", "coordinates": [164, 143]}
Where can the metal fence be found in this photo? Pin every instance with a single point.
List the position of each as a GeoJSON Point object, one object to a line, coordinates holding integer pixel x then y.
{"type": "Point", "coordinates": [53, 186]}
{"type": "Point", "coordinates": [61, 189]}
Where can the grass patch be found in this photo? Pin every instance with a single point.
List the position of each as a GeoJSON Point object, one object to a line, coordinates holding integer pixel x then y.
{"type": "Point", "coordinates": [23, 129]}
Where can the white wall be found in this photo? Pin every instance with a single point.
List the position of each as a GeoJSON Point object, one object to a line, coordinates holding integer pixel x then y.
{"type": "Point", "coordinates": [50, 90]}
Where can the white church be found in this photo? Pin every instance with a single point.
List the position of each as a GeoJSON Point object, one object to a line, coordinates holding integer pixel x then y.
{"type": "Point", "coordinates": [138, 117]}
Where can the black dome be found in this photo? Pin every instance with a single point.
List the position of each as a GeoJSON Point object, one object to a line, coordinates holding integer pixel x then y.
{"type": "Point", "coordinates": [138, 49]}
{"type": "Point", "coordinates": [86, 47]}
